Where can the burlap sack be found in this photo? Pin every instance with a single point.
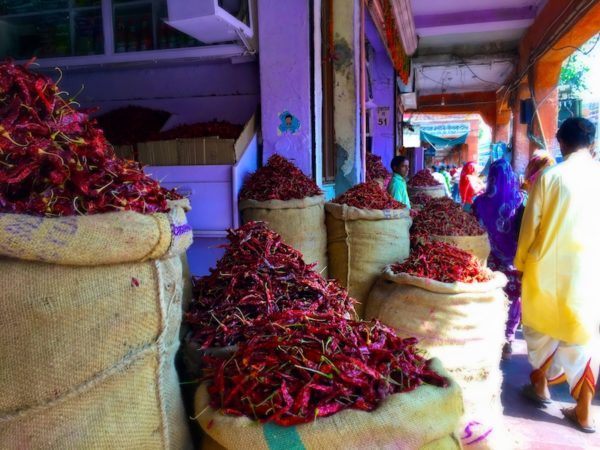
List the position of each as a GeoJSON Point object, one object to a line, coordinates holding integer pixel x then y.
{"type": "Point", "coordinates": [361, 242]}
{"type": "Point", "coordinates": [425, 418]}
{"type": "Point", "coordinates": [476, 245]}
{"type": "Point", "coordinates": [89, 326]}
{"type": "Point", "coordinates": [463, 325]}
{"type": "Point", "coordinates": [431, 191]}
{"type": "Point", "coordinates": [301, 224]}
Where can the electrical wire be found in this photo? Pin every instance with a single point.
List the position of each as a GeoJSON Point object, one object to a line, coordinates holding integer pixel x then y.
{"type": "Point", "coordinates": [578, 49]}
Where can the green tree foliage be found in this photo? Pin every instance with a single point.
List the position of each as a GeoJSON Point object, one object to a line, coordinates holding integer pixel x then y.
{"type": "Point", "coordinates": [573, 73]}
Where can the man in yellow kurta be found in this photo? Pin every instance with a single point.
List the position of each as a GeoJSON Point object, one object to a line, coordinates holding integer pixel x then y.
{"type": "Point", "coordinates": [559, 255]}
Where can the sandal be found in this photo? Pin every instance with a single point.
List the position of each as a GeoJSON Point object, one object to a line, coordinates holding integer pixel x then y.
{"type": "Point", "coordinates": [529, 393]}
{"type": "Point", "coordinates": [571, 416]}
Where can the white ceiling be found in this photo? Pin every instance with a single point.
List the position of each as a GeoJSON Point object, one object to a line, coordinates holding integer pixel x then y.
{"type": "Point", "coordinates": [478, 40]}
{"type": "Point", "coordinates": [467, 75]}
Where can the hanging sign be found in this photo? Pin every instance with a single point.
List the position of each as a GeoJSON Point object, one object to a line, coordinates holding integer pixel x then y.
{"type": "Point", "coordinates": [446, 129]}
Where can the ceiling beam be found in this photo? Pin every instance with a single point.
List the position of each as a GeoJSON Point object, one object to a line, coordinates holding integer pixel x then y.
{"type": "Point", "coordinates": [475, 17]}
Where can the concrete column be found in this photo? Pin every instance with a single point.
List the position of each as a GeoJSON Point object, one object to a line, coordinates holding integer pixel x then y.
{"type": "Point", "coordinates": [346, 26]}
{"type": "Point", "coordinates": [521, 144]}
{"type": "Point", "coordinates": [285, 80]}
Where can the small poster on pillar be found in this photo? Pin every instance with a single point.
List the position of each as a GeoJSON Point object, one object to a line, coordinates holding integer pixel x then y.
{"type": "Point", "coordinates": [288, 124]}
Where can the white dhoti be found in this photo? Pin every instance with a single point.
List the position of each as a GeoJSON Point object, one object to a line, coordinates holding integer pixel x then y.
{"type": "Point", "coordinates": [560, 361]}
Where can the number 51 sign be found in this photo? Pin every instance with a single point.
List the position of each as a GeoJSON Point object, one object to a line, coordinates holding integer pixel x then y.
{"type": "Point", "coordinates": [383, 116]}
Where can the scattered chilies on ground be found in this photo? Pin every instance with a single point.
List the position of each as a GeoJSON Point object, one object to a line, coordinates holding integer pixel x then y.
{"type": "Point", "coordinates": [55, 161]}
{"type": "Point", "coordinates": [443, 262]}
{"type": "Point", "coordinates": [423, 178]}
{"type": "Point", "coordinates": [279, 179]}
{"type": "Point", "coordinates": [444, 217]}
{"type": "Point", "coordinates": [368, 195]}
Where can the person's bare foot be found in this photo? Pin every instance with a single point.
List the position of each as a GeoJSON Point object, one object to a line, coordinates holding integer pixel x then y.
{"type": "Point", "coordinates": [540, 386]}
{"type": "Point", "coordinates": [581, 421]}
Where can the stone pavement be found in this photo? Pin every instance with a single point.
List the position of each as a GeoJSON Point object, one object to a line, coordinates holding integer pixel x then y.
{"type": "Point", "coordinates": [540, 429]}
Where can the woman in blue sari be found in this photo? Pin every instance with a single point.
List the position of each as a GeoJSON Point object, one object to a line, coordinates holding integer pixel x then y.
{"type": "Point", "coordinates": [500, 210]}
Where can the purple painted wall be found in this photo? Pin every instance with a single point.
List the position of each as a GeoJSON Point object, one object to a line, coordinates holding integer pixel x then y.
{"type": "Point", "coordinates": [192, 92]}
{"type": "Point", "coordinates": [381, 73]}
{"type": "Point", "coordinates": [285, 79]}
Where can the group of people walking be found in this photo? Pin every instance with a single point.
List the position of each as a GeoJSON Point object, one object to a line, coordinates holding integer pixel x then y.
{"type": "Point", "coordinates": [545, 236]}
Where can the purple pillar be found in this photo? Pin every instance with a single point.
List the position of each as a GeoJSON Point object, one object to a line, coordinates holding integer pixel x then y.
{"type": "Point", "coordinates": [381, 75]}
{"type": "Point", "coordinates": [284, 36]}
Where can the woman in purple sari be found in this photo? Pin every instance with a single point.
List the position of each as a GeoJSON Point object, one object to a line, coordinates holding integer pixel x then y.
{"type": "Point", "coordinates": [499, 210]}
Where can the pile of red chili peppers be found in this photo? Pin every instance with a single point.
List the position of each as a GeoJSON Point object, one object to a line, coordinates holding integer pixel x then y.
{"type": "Point", "coordinates": [369, 195]}
{"type": "Point", "coordinates": [420, 199]}
{"type": "Point", "coordinates": [298, 367]}
{"type": "Point", "coordinates": [375, 168]}
{"type": "Point", "coordinates": [279, 179]}
{"type": "Point", "coordinates": [443, 262]}
{"type": "Point", "coordinates": [257, 276]}
{"type": "Point", "coordinates": [444, 217]}
{"type": "Point", "coordinates": [54, 160]}
{"type": "Point", "coordinates": [423, 178]}
{"type": "Point", "coordinates": [299, 354]}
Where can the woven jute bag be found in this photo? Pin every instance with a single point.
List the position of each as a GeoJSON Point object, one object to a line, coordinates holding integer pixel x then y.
{"type": "Point", "coordinates": [89, 328]}
{"type": "Point", "coordinates": [301, 224]}
{"type": "Point", "coordinates": [463, 325]}
{"type": "Point", "coordinates": [431, 191]}
{"type": "Point", "coordinates": [423, 419]}
{"type": "Point", "coordinates": [361, 242]}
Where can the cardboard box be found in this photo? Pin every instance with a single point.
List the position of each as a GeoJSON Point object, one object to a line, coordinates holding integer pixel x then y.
{"type": "Point", "coordinates": [197, 151]}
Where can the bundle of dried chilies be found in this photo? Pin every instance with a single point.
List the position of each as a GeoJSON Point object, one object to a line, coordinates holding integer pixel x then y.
{"type": "Point", "coordinates": [444, 217]}
{"type": "Point", "coordinates": [423, 178]}
{"type": "Point", "coordinates": [369, 195]}
{"type": "Point", "coordinates": [55, 161]}
{"type": "Point", "coordinates": [443, 262]}
{"type": "Point", "coordinates": [279, 179]}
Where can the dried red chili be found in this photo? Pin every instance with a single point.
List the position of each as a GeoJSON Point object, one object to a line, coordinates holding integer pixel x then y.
{"type": "Point", "coordinates": [423, 178]}
{"type": "Point", "coordinates": [444, 217]}
{"type": "Point", "coordinates": [279, 179]}
{"type": "Point", "coordinates": [296, 366]}
{"type": "Point", "coordinates": [369, 195]}
{"type": "Point", "coordinates": [375, 168]}
{"type": "Point", "coordinates": [419, 199]}
{"type": "Point", "coordinates": [258, 275]}
{"type": "Point", "coordinates": [443, 262]}
{"type": "Point", "coordinates": [55, 161]}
